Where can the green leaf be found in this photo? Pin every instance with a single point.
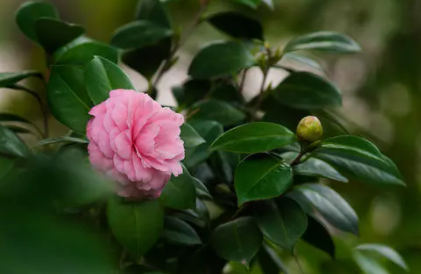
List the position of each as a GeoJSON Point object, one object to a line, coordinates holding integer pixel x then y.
{"type": "Point", "coordinates": [137, 226]}
{"type": "Point", "coordinates": [179, 232]}
{"type": "Point", "coordinates": [223, 165]}
{"type": "Point", "coordinates": [30, 12]}
{"type": "Point", "coordinates": [153, 11]}
{"type": "Point", "coordinates": [358, 158]}
{"type": "Point", "coordinates": [180, 192]}
{"type": "Point", "coordinates": [67, 97]}
{"type": "Point", "coordinates": [11, 144]}
{"type": "Point", "coordinates": [64, 139]}
{"type": "Point", "coordinates": [282, 221]}
{"type": "Point", "coordinates": [304, 90]}
{"type": "Point", "coordinates": [101, 76]}
{"type": "Point", "coordinates": [385, 252]}
{"type": "Point", "coordinates": [328, 41]}
{"type": "Point", "coordinates": [9, 117]}
{"type": "Point", "coordinates": [190, 137]}
{"type": "Point", "coordinates": [82, 50]}
{"type": "Point", "coordinates": [331, 206]}
{"type": "Point", "coordinates": [261, 177]}
{"type": "Point", "coordinates": [219, 111]}
{"type": "Point", "coordinates": [53, 34]}
{"type": "Point", "coordinates": [254, 137]}
{"type": "Point", "coordinates": [238, 240]}
{"type": "Point", "coordinates": [270, 262]}
{"type": "Point", "coordinates": [9, 78]}
{"type": "Point", "coordinates": [303, 60]}
{"type": "Point", "coordinates": [219, 59]}
{"type": "Point", "coordinates": [6, 165]}
{"type": "Point", "coordinates": [201, 189]}
{"type": "Point", "coordinates": [317, 167]}
{"type": "Point", "coordinates": [138, 34]}
{"type": "Point", "coordinates": [369, 265]}
{"type": "Point", "coordinates": [237, 25]}
{"type": "Point", "coordinates": [318, 236]}
{"type": "Point", "coordinates": [254, 4]}
{"type": "Point", "coordinates": [191, 91]}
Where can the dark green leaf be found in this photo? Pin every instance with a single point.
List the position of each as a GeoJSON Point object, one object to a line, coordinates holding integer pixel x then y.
{"type": "Point", "coordinates": [82, 50]}
{"type": "Point", "coordinates": [67, 97]}
{"type": "Point", "coordinates": [179, 232]}
{"type": "Point", "coordinates": [329, 204]}
{"type": "Point", "coordinates": [237, 240]}
{"type": "Point", "coordinates": [282, 221]}
{"type": "Point", "coordinates": [305, 90]}
{"type": "Point", "coordinates": [139, 34]}
{"type": "Point", "coordinates": [53, 34]}
{"type": "Point", "coordinates": [219, 111]}
{"type": "Point", "coordinates": [227, 92]}
{"type": "Point", "coordinates": [11, 144]}
{"type": "Point", "coordinates": [201, 189]}
{"type": "Point", "coordinates": [261, 177]}
{"type": "Point", "coordinates": [190, 137]}
{"type": "Point", "coordinates": [191, 91]}
{"type": "Point", "coordinates": [9, 117]}
{"type": "Point", "coordinates": [102, 76]}
{"type": "Point", "coordinates": [270, 262]}
{"type": "Point", "coordinates": [153, 11]}
{"type": "Point", "coordinates": [250, 3]}
{"type": "Point", "coordinates": [318, 236]}
{"type": "Point", "coordinates": [317, 167]}
{"type": "Point", "coordinates": [223, 164]}
{"type": "Point", "coordinates": [385, 252]}
{"type": "Point", "coordinates": [6, 165]}
{"type": "Point", "coordinates": [358, 158]}
{"type": "Point", "coordinates": [219, 59]}
{"type": "Point", "coordinates": [328, 41]}
{"type": "Point", "coordinates": [254, 137]}
{"type": "Point", "coordinates": [237, 25]}
{"type": "Point", "coordinates": [30, 12]}
{"type": "Point", "coordinates": [180, 192]}
{"type": "Point", "coordinates": [10, 78]}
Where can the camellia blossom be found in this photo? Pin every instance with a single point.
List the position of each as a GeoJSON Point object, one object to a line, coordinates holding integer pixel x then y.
{"type": "Point", "coordinates": [135, 141]}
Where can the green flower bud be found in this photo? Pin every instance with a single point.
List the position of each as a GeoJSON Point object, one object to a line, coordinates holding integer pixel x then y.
{"type": "Point", "coordinates": [310, 129]}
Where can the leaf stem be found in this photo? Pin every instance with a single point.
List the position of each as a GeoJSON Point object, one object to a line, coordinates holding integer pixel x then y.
{"type": "Point", "coordinates": [298, 263]}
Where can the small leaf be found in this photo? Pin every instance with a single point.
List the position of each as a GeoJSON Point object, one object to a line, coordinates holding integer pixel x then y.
{"type": "Point", "coordinates": [67, 97]}
{"type": "Point", "coordinates": [153, 11]}
{"type": "Point", "coordinates": [384, 251]}
{"type": "Point", "coordinates": [237, 25]}
{"type": "Point", "coordinates": [281, 221]}
{"type": "Point", "coordinates": [179, 232]}
{"type": "Point", "coordinates": [102, 76]}
{"type": "Point", "coordinates": [303, 60]}
{"type": "Point", "coordinates": [201, 189]}
{"type": "Point", "coordinates": [304, 90]}
{"type": "Point", "coordinates": [237, 240]}
{"type": "Point", "coordinates": [329, 204]}
{"type": "Point", "coordinates": [191, 91]}
{"type": "Point", "coordinates": [30, 12]}
{"type": "Point", "coordinates": [369, 265]}
{"type": "Point", "coordinates": [254, 137]}
{"type": "Point", "coordinates": [137, 226]}
{"type": "Point", "coordinates": [219, 111]}
{"type": "Point", "coordinates": [11, 145]}
{"type": "Point", "coordinates": [190, 137]}
{"type": "Point", "coordinates": [9, 78]}
{"type": "Point", "coordinates": [180, 192]}
{"type": "Point", "coordinates": [64, 139]}
{"type": "Point", "coordinates": [358, 158]}
{"type": "Point", "coordinates": [318, 236]}
{"type": "Point", "coordinates": [219, 59]}
{"type": "Point", "coordinates": [261, 177]}
{"type": "Point", "coordinates": [53, 34]}
{"type": "Point", "coordinates": [317, 167]}
{"type": "Point", "coordinates": [324, 41]}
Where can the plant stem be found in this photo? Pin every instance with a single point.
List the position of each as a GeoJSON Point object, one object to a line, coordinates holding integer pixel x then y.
{"type": "Point", "coordinates": [298, 158]}
{"type": "Point", "coordinates": [243, 80]}
{"type": "Point", "coordinates": [298, 263]}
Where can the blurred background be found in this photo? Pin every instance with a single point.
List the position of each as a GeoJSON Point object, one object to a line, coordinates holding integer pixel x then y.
{"type": "Point", "coordinates": [381, 88]}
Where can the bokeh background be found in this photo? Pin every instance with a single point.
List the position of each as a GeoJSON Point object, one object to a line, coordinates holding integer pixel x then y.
{"type": "Point", "coordinates": [381, 87]}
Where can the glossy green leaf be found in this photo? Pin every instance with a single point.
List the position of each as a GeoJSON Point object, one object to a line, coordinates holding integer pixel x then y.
{"type": "Point", "coordinates": [357, 158]}
{"type": "Point", "coordinates": [328, 41]}
{"type": "Point", "coordinates": [180, 192]}
{"type": "Point", "coordinates": [179, 232]}
{"type": "Point", "coordinates": [67, 97]}
{"type": "Point", "coordinates": [82, 50]}
{"type": "Point", "coordinates": [254, 4]}
{"type": "Point", "coordinates": [191, 91]}
{"type": "Point", "coordinates": [238, 240]}
{"type": "Point", "coordinates": [190, 137]}
{"type": "Point", "coordinates": [139, 34]}
{"type": "Point", "coordinates": [9, 78]}
{"type": "Point", "coordinates": [317, 167]}
{"type": "Point", "coordinates": [318, 236]}
{"type": "Point", "coordinates": [11, 144]}
{"type": "Point", "coordinates": [219, 111]}
{"type": "Point", "coordinates": [385, 252]}
{"type": "Point", "coordinates": [219, 59]}
{"type": "Point", "coordinates": [153, 11]}
{"type": "Point", "coordinates": [331, 206]}
{"type": "Point", "coordinates": [30, 12]}
{"type": "Point", "coordinates": [304, 90]}
{"type": "Point", "coordinates": [369, 265]}
{"type": "Point", "coordinates": [201, 189]}
{"type": "Point", "coordinates": [237, 25]}
{"type": "Point", "coordinates": [261, 177]}
{"type": "Point", "coordinates": [136, 225]}
{"type": "Point", "coordinates": [302, 60]}
{"type": "Point", "coordinates": [282, 221]}
{"type": "Point", "coordinates": [254, 137]}
{"type": "Point", "coordinates": [53, 34]}
{"type": "Point", "coordinates": [102, 76]}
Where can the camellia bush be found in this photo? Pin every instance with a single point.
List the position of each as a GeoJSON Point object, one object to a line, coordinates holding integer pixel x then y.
{"type": "Point", "coordinates": [218, 184]}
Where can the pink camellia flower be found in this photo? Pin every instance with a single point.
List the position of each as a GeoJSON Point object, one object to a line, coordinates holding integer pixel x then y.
{"type": "Point", "coordinates": [136, 142]}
